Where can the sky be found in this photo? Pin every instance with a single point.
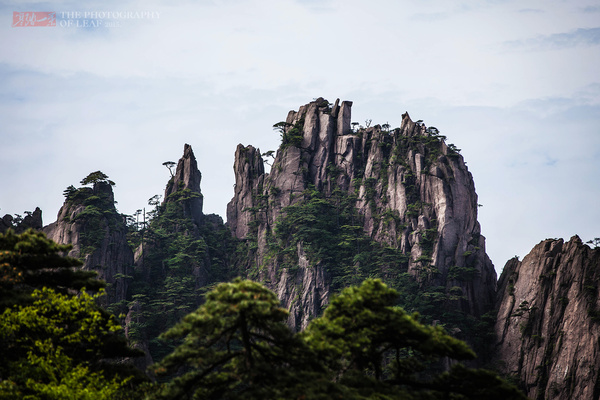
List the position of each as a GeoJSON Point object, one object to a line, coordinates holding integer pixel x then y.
{"type": "Point", "coordinates": [120, 87]}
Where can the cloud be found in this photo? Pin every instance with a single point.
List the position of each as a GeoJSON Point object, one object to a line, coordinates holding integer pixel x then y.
{"type": "Point", "coordinates": [591, 9]}
{"type": "Point", "coordinates": [531, 11]}
{"type": "Point", "coordinates": [431, 16]}
{"type": "Point", "coordinates": [216, 74]}
{"type": "Point", "coordinates": [565, 40]}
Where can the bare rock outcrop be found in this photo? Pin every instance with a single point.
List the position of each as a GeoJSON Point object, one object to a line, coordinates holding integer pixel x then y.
{"type": "Point", "coordinates": [414, 193]}
{"type": "Point", "coordinates": [249, 169]}
{"type": "Point", "coordinates": [89, 221]}
{"type": "Point", "coordinates": [548, 324]}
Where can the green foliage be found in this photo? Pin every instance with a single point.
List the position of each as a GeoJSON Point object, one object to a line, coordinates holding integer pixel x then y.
{"type": "Point", "coordinates": [362, 325]}
{"type": "Point", "coordinates": [453, 151]}
{"type": "Point", "coordinates": [377, 349]}
{"type": "Point", "coordinates": [237, 346]}
{"type": "Point", "coordinates": [54, 344]}
{"type": "Point", "coordinates": [291, 135]}
{"type": "Point", "coordinates": [96, 177]}
{"type": "Point", "coordinates": [30, 260]}
{"type": "Point", "coordinates": [37, 378]}
{"type": "Point", "coordinates": [59, 347]}
{"type": "Point", "coordinates": [69, 191]}
{"type": "Point", "coordinates": [331, 232]}
{"type": "Point", "coordinates": [465, 274]}
{"type": "Point", "coordinates": [180, 260]}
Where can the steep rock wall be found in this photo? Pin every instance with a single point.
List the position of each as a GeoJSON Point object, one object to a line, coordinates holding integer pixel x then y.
{"type": "Point", "coordinates": [89, 221]}
{"type": "Point", "coordinates": [182, 189]}
{"type": "Point", "coordinates": [414, 193]}
{"type": "Point", "coordinates": [187, 177]}
{"type": "Point", "coordinates": [548, 323]}
{"type": "Point", "coordinates": [181, 252]}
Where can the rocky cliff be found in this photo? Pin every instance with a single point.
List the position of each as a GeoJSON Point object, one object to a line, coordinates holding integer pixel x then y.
{"type": "Point", "coordinates": [548, 323]}
{"type": "Point", "coordinates": [181, 252]}
{"type": "Point", "coordinates": [412, 193]}
{"type": "Point", "coordinates": [89, 221]}
{"type": "Point", "coordinates": [187, 178]}
{"type": "Point", "coordinates": [19, 224]}
{"type": "Point", "coordinates": [181, 209]}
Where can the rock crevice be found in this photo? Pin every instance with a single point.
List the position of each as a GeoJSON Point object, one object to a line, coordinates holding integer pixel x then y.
{"type": "Point", "coordinates": [548, 321]}
{"type": "Point", "coordinates": [408, 182]}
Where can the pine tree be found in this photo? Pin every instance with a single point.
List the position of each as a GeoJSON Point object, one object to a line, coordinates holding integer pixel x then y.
{"type": "Point", "coordinates": [61, 346]}
{"type": "Point", "coordinates": [30, 260]}
{"type": "Point", "coordinates": [377, 349]}
{"type": "Point", "coordinates": [55, 340]}
{"type": "Point", "coordinates": [235, 346]}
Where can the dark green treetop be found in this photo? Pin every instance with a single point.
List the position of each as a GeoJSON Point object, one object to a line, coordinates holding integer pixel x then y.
{"type": "Point", "coordinates": [361, 325]}
{"type": "Point", "coordinates": [236, 345]}
{"type": "Point", "coordinates": [96, 177]}
{"type": "Point", "coordinates": [30, 260]}
{"type": "Point", "coordinates": [378, 350]}
{"type": "Point", "coordinates": [56, 342]}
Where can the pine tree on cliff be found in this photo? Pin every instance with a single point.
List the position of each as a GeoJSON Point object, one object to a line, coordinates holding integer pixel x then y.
{"type": "Point", "coordinates": [237, 346]}
{"type": "Point", "coordinates": [30, 260]}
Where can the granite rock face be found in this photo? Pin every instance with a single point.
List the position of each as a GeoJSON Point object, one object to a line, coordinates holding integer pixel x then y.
{"type": "Point", "coordinates": [250, 173]}
{"type": "Point", "coordinates": [187, 177]}
{"type": "Point", "coordinates": [408, 174]}
{"type": "Point", "coordinates": [181, 253]}
{"type": "Point", "coordinates": [548, 324]}
{"type": "Point", "coordinates": [90, 222]}
{"type": "Point", "coordinates": [184, 188]}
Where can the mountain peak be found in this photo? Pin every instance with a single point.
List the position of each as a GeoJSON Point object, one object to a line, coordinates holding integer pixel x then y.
{"type": "Point", "coordinates": [187, 176]}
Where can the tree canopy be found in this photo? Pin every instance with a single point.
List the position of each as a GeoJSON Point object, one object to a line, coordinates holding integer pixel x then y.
{"type": "Point", "coordinates": [95, 177]}
{"type": "Point", "coordinates": [376, 349]}
{"type": "Point", "coordinates": [59, 347]}
{"type": "Point", "coordinates": [237, 345]}
{"type": "Point", "coordinates": [30, 260]}
{"type": "Point", "coordinates": [56, 342]}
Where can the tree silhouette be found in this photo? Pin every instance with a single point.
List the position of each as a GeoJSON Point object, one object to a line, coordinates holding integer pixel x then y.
{"type": "Point", "coordinates": [96, 177]}
{"type": "Point", "coordinates": [170, 165]}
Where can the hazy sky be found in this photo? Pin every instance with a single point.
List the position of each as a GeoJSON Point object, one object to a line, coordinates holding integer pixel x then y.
{"type": "Point", "coordinates": [514, 84]}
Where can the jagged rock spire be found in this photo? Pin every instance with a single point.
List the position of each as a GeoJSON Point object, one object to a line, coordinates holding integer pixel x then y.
{"type": "Point", "coordinates": [250, 173]}
{"type": "Point", "coordinates": [187, 177]}
{"type": "Point", "coordinates": [408, 174]}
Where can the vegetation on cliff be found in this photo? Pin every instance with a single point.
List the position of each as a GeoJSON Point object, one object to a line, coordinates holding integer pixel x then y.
{"type": "Point", "coordinates": [368, 239]}
{"type": "Point", "coordinates": [177, 262]}
{"type": "Point", "coordinates": [30, 261]}
{"type": "Point", "coordinates": [237, 346]}
{"type": "Point", "coordinates": [56, 342]}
